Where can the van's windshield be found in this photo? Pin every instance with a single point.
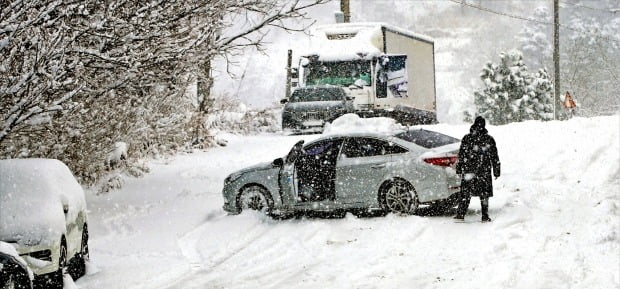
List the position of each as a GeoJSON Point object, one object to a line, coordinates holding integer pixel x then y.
{"type": "Point", "coordinates": [318, 94]}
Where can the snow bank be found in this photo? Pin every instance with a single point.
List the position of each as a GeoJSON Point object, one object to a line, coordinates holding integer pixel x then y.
{"type": "Point", "coordinates": [32, 194]}
{"type": "Point", "coordinates": [350, 122]}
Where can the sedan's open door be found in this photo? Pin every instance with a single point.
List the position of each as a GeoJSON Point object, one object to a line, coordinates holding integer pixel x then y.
{"type": "Point", "coordinates": [287, 179]}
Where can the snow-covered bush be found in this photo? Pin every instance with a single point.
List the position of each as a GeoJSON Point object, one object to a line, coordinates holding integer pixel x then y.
{"type": "Point", "coordinates": [511, 93]}
{"type": "Point", "coordinates": [230, 115]}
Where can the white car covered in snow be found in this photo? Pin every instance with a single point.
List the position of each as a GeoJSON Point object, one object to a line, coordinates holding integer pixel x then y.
{"type": "Point", "coordinates": [43, 215]}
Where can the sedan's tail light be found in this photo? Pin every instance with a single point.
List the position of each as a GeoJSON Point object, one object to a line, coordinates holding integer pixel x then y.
{"type": "Point", "coordinates": [442, 161]}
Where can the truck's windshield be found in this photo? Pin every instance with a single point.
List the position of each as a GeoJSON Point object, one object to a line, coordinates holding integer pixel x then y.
{"type": "Point", "coordinates": [318, 94]}
{"type": "Point", "coordinates": [341, 73]}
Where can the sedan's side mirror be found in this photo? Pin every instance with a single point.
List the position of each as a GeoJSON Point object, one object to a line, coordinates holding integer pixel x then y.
{"type": "Point", "coordinates": [278, 162]}
{"type": "Point", "coordinates": [283, 101]}
{"type": "Point", "coordinates": [350, 97]}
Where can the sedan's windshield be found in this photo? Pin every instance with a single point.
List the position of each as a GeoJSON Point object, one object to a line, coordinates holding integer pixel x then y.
{"type": "Point", "coordinates": [317, 94]}
{"type": "Point", "coordinates": [426, 138]}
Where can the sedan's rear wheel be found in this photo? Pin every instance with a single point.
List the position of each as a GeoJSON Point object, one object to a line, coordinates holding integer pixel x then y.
{"type": "Point", "coordinates": [400, 197]}
{"type": "Point", "coordinates": [255, 198]}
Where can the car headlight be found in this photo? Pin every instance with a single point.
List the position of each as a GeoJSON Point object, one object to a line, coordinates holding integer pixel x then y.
{"type": "Point", "coordinates": [232, 177]}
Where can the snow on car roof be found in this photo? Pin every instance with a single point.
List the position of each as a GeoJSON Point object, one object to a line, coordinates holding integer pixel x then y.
{"type": "Point", "coordinates": [32, 195]}
{"type": "Point", "coordinates": [353, 124]}
{"type": "Point", "coordinates": [347, 41]}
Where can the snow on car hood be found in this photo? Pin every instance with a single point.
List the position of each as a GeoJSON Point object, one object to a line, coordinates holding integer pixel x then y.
{"type": "Point", "coordinates": [256, 167]}
{"type": "Point", "coordinates": [32, 194]}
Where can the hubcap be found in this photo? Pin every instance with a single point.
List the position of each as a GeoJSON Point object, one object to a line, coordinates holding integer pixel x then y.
{"type": "Point", "coordinates": [253, 200]}
{"type": "Point", "coordinates": [398, 198]}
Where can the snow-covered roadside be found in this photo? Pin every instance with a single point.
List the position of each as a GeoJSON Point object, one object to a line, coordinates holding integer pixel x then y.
{"type": "Point", "coordinates": [556, 224]}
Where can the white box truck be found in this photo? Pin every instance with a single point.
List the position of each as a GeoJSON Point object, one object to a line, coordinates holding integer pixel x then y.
{"type": "Point", "coordinates": [384, 70]}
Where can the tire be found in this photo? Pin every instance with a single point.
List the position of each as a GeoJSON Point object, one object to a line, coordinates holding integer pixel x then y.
{"type": "Point", "coordinates": [77, 268]}
{"type": "Point", "coordinates": [398, 196]}
{"type": "Point", "coordinates": [255, 198]}
{"type": "Point", "coordinates": [56, 281]}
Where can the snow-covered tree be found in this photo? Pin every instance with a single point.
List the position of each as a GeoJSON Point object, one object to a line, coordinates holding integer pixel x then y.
{"type": "Point", "coordinates": [78, 77]}
{"type": "Point", "coordinates": [511, 93]}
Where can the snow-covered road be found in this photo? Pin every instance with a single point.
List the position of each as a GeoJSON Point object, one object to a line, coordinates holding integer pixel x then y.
{"type": "Point", "coordinates": [556, 224]}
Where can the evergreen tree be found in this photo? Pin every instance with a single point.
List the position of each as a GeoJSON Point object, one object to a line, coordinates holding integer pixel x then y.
{"type": "Point", "coordinates": [511, 93]}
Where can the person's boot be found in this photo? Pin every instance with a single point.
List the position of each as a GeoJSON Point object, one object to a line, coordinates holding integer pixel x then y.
{"type": "Point", "coordinates": [486, 219]}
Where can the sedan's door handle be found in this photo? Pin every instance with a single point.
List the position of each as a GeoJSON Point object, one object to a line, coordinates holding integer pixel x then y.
{"type": "Point", "coordinates": [378, 166]}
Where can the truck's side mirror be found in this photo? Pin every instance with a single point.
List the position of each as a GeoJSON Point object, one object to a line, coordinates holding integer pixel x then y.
{"type": "Point", "coordinates": [283, 101]}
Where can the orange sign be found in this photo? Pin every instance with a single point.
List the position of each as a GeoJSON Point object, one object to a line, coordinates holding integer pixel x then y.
{"type": "Point", "coordinates": [568, 101]}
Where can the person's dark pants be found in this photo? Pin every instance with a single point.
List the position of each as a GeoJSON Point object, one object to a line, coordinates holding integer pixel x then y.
{"type": "Point", "coordinates": [464, 204]}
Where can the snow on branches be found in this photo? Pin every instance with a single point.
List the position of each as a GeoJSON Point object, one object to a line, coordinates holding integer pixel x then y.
{"type": "Point", "coordinates": [76, 77]}
{"type": "Point", "coordinates": [511, 93]}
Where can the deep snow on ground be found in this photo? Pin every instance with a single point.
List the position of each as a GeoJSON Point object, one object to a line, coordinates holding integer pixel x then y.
{"type": "Point", "coordinates": [556, 224]}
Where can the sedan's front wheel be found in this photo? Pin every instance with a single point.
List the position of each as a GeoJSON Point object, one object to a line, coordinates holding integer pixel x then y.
{"type": "Point", "coordinates": [255, 198]}
{"type": "Point", "coordinates": [400, 197]}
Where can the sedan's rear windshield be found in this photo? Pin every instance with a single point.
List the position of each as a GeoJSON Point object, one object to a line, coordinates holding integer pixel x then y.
{"type": "Point", "coordinates": [426, 138]}
{"type": "Point", "coordinates": [317, 94]}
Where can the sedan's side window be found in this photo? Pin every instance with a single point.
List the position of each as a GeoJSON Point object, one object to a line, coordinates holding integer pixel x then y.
{"type": "Point", "coordinates": [365, 147]}
{"type": "Point", "coordinates": [368, 147]}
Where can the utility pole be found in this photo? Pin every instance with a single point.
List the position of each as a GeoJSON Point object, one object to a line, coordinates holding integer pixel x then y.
{"type": "Point", "coordinates": [556, 58]}
{"type": "Point", "coordinates": [289, 62]}
{"type": "Point", "coordinates": [344, 7]}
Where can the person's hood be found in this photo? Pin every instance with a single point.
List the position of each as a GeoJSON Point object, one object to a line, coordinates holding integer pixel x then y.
{"type": "Point", "coordinates": [479, 126]}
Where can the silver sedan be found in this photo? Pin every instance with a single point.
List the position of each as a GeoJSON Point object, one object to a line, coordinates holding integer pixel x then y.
{"type": "Point", "coordinates": [358, 172]}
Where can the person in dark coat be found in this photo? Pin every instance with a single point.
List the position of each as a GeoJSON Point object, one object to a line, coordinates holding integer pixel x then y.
{"type": "Point", "coordinates": [476, 161]}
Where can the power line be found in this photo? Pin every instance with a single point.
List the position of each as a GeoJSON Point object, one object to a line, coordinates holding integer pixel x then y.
{"type": "Point", "coordinates": [615, 10]}
{"type": "Point", "coordinates": [463, 2]}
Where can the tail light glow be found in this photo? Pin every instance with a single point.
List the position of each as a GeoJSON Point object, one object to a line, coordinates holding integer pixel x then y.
{"type": "Point", "coordinates": [442, 161]}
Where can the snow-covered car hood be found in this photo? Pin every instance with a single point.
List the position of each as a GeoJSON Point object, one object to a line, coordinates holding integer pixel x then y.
{"type": "Point", "coordinates": [32, 195]}
{"type": "Point", "coordinates": [254, 168]}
